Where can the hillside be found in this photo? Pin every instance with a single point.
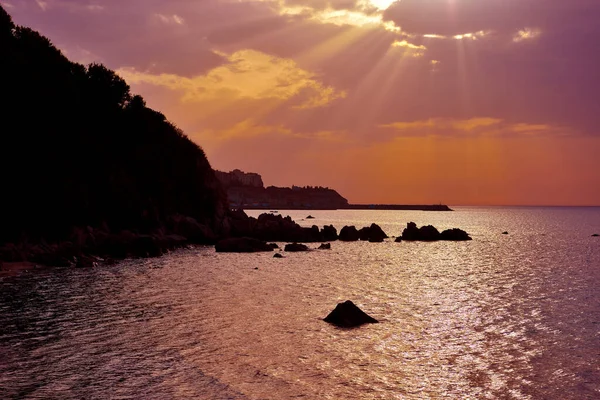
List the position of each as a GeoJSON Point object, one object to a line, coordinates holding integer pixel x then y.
{"type": "Point", "coordinates": [79, 149]}
{"type": "Point", "coordinates": [246, 190]}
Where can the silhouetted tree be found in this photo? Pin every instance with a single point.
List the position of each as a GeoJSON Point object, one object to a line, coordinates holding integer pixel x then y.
{"type": "Point", "coordinates": [76, 148]}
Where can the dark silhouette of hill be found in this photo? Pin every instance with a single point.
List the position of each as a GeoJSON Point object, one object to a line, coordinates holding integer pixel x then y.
{"type": "Point", "coordinates": [78, 149]}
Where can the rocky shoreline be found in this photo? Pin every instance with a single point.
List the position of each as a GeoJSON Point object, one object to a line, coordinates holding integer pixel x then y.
{"type": "Point", "coordinates": [89, 247]}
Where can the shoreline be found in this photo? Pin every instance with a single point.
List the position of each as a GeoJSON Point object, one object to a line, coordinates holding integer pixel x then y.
{"type": "Point", "coordinates": [394, 207]}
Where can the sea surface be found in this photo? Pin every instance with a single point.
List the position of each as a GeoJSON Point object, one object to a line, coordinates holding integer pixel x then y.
{"type": "Point", "coordinates": [512, 316]}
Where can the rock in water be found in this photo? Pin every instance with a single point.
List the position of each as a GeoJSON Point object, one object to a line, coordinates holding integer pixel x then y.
{"type": "Point", "coordinates": [595, 235]}
{"type": "Point", "coordinates": [349, 234]}
{"type": "Point", "coordinates": [505, 233]}
{"type": "Point", "coordinates": [455, 234]}
{"type": "Point", "coordinates": [310, 217]}
{"type": "Point", "coordinates": [325, 246]}
{"type": "Point", "coordinates": [348, 315]}
{"type": "Point", "coordinates": [241, 245]}
{"type": "Point", "coordinates": [295, 247]}
{"type": "Point", "coordinates": [277, 255]}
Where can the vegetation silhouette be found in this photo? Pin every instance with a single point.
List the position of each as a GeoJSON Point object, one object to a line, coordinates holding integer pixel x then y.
{"type": "Point", "coordinates": [78, 149]}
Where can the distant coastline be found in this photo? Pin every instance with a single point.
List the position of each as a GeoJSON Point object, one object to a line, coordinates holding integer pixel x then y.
{"type": "Point", "coordinates": [399, 207]}
{"type": "Point", "coordinates": [246, 190]}
{"type": "Point", "coordinates": [408, 207]}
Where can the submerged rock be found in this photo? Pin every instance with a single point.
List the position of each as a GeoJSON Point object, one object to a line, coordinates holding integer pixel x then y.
{"type": "Point", "coordinates": [348, 315]}
{"type": "Point", "coordinates": [325, 246]}
{"type": "Point", "coordinates": [295, 247]}
{"type": "Point", "coordinates": [241, 245]}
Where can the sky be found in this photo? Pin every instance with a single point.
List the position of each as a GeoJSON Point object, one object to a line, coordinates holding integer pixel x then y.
{"type": "Point", "coordinates": [460, 102]}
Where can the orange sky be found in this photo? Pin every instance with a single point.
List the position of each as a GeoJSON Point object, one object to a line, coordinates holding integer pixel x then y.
{"type": "Point", "coordinates": [417, 101]}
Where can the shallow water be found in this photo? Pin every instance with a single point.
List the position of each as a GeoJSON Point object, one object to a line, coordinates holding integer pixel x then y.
{"type": "Point", "coordinates": [501, 317]}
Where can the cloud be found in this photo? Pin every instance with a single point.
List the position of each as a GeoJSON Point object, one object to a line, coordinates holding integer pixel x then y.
{"type": "Point", "coordinates": [248, 74]}
{"type": "Point", "coordinates": [170, 19]}
{"type": "Point", "coordinates": [411, 48]}
{"type": "Point", "coordinates": [526, 34]}
{"type": "Point", "coordinates": [361, 13]}
{"type": "Point", "coordinates": [452, 18]}
{"type": "Point", "coordinates": [482, 126]}
{"type": "Point", "coordinates": [42, 4]}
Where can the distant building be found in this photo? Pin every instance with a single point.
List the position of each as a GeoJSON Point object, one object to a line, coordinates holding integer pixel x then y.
{"type": "Point", "coordinates": [239, 178]}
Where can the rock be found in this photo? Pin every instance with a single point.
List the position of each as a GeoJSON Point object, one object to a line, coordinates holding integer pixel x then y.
{"type": "Point", "coordinates": [172, 241]}
{"type": "Point", "coordinates": [274, 245]}
{"type": "Point", "coordinates": [277, 228]}
{"type": "Point", "coordinates": [277, 255]}
{"type": "Point", "coordinates": [241, 245]}
{"type": "Point", "coordinates": [349, 234]}
{"type": "Point", "coordinates": [348, 315]}
{"type": "Point", "coordinates": [455, 234]}
{"type": "Point", "coordinates": [310, 217]}
{"type": "Point", "coordinates": [85, 262]}
{"type": "Point", "coordinates": [398, 239]}
{"type": "Point", "coordinates": [11, 253]}
{"type": "Point", "coordinates": [191, 229]}
{"type": "Point", "coordinates": [429, 233]}
{"type": "Point", "coordinates": [505, 233]}
{"type": "Point", "coordinates": [595, 235]}
{"type": "Point", "coordinates": [329, 233]}
{"type": "Point", "coordinates": [292, 247]}
{"type": "Point", "coordinates": [145, 246]}
{"type": "Point", "coordinates": [425, 233]}
{"type": "Point", "coordinates": [325, 246]}
{"type": "Point", "coordinates": [240, 225]}
{"type": "Point", "coordinates": [372, 233]}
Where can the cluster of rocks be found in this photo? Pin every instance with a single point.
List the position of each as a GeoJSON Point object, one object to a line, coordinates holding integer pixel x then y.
{"type": "Point", "coordinates": [239, 233]}
{"type": "Point", "coordinates": [371, 233]}
{"type": "Point", "coordinates": [271, 227]}
{"type": "Point", "coordinates": [430, 233]}
{"type": "Point", "coordinates": [85, 247]}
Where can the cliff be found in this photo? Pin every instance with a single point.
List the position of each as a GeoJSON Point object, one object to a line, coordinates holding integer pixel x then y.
{"type": "Point", "coordinates": [246, 190]}
{"type": "Point", "coordinates": [79, 150]}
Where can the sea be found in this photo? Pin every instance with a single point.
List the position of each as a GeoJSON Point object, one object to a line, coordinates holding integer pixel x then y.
{"type": "Point", "coordinates": [504, 316]}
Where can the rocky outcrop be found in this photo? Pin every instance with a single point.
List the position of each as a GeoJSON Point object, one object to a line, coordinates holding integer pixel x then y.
{"type": "Point", "coordinates": [349, 234]}
{"type": "Point", "coordinates": [430, 233]}
{"type": "Point", "coordinates": [192, 230]}
{"type": "Point", "coordinates": [455, 235]}
{"type": "Point", "coordinates": [372, 233]}
{"type": "Point", "coordinates": [241, 245]}
{"type": "Point", "coordinates": [294, 247]}
{"type": "Point", "coordinates": [329, 233]}
{"type": "Point", "coordinates": [348, 315]}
